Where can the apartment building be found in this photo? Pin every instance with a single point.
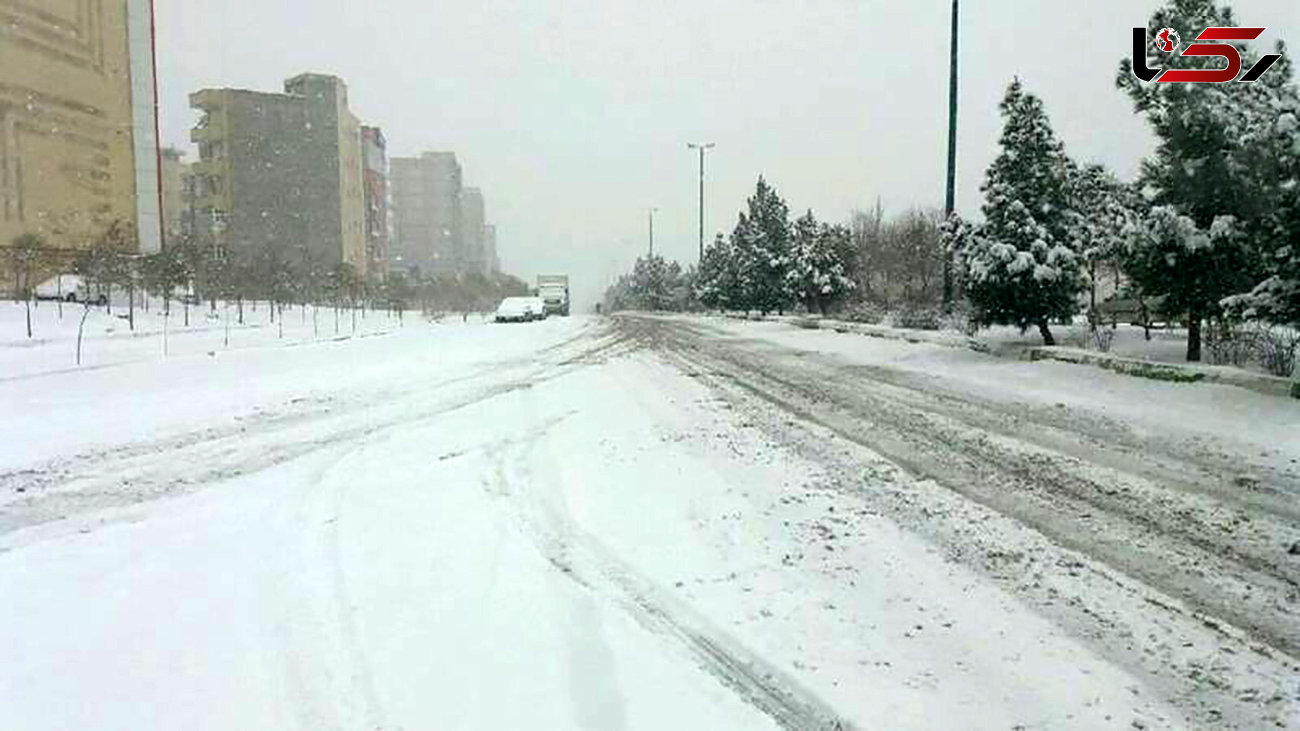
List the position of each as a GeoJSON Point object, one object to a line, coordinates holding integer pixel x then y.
{"type": "Point", "coordinates": [473, 214]}
{"type": "Point", "coordinates": [426, 195]}
{"type": "Point", "coordinates": [282, 173]}
{"type": "Point", "coordinates": [78, 135]}
{"type": "Point", "coordinates": [374, 157]}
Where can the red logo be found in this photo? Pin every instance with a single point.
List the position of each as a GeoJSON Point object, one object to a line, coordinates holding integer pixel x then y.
{"type": "Point", "coordinates": [1167, 40]}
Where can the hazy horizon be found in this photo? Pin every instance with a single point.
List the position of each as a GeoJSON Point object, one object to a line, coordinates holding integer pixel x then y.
{"type": "Point", "coordinates": [574, 119]}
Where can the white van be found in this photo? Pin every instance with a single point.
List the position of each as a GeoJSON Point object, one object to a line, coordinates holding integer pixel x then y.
{"type": "Point", "coordinates": [69, 288]}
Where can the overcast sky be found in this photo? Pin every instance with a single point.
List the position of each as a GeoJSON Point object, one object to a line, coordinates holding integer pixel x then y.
{"type": "Point", "coordinates": [574, 115]}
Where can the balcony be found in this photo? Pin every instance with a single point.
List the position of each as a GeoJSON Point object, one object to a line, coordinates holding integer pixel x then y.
{"type": "Point", "coordinates": [204, 168]}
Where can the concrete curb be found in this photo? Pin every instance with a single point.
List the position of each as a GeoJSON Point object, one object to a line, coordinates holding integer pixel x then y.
{"type": "Point", "coordinates": [1170, 372]}
{"type": "Point", "coordinates": [1173, 372]}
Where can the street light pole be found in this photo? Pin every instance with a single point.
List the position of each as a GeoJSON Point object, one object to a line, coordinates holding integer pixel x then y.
{"type": "Point", "coordinates": [652, 231]}
{"type": "Point", "coordinates": [702, 147]}
{"type": "Point", "coordinates": [950, 199]}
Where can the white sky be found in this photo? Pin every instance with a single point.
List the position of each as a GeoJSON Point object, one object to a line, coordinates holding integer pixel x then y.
{"type": "Point", "coordinates": [573, 115]}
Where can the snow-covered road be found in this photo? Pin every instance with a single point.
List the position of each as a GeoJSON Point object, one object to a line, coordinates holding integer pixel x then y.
{"type": "Point", "coordinates": [582, 523]}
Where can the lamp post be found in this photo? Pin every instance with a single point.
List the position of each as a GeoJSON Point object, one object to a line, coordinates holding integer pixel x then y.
{"type": "Point", "coordinates": [702, 147]}
{"type": "Point", "coordinates": [652, 230]}
{"type": "Point", "coordinates": [950, 198]}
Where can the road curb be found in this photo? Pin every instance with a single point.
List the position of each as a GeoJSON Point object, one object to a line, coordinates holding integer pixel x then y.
{"type": "Point", "coordinates": [1169, 372]}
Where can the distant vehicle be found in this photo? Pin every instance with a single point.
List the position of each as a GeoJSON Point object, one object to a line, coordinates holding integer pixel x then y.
{"type": "Point", "coordinates": [186, 295]}
{"type": "Point", "coordinates": [69, 288]}
{"type": "Point", "coordinates": [554, 291]}
{"type": "Point", "coordinates": [515, 309]}
{"type": "Point", "coordinates": [537, 308]}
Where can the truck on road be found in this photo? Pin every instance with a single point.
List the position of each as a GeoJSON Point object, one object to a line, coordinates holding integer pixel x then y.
{"type": "Point", "coordinates": [554, 291]}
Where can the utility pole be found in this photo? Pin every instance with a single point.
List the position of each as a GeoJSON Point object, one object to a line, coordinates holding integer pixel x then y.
{"type": "Point", "coordinates": [652, 230]}
{"type": "Point", "coordinates": [950, 199]}
{"type": "Point", "coordinates": [702, 147]}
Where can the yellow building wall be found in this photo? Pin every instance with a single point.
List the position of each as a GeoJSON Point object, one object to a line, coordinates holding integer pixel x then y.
{"type": "Point", "coordinates": [66, 166]}
{"type": "Point", "coordinates": [352, 206]}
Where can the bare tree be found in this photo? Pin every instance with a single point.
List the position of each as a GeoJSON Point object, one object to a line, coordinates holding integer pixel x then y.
{"type": "Point", "coordinates": [26, 254]}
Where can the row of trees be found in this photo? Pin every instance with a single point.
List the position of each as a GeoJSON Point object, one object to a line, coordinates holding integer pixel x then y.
{"type": "Point", "coordinates": [1209, 228]}
{"type": "Point", "coordinates": [771, 264]}
{"type": "Point", "coordinates": [1209, 231]}
{"type": "Point", "coordinates": [190, 272]}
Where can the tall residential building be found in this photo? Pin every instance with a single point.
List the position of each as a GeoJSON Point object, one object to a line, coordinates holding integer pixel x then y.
{"type": "Point", "coordinates": [426, 192]}
{"type": "Point", "coordinates": [175, 198]}
{"type": "Point", "coordinates": [473, 220]}
{"type": "Point", "coordinates": [282, 172]}
{"type": "Point", "coordinates": [374, 157]}
{"type": "Point", "coordinates": [78, 131]}
{"type": "Point", "coordinates": [490, 249]}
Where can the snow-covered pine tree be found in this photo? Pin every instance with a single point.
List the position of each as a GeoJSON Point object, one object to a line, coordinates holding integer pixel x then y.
{"type": "Point", "coordinates": [1020, 268]}
{"type": "Point", "coordinates": [821, 262]}
{"type": "Point", "coordinates": [1102, 210]}
{"type": "Point", "coordinates": [1169, 250]}
{"type": "Point", "coordinates": [717, 285]}
{"type": "Point", "coordinates": [1221, 151]}
{"type": "Point", "coordinates": [1277, 298]}
{"type": "Point", "coordinates": [762, 244]}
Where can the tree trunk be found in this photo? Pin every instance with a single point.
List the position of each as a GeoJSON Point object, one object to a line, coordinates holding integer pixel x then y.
{"type": "Point", "coordinates": [1194, 336]}
{"type": "Point", "coordinates": [81, 327]}
{"type": "Point", "coordinates": [1092, 296]}
{"type": "Point", "coordinates": [130, 306]}
{"type": "Point", "coordinates": [1046, 333]}
{"type": "Point", "coordinates": [239, 302]}
{"type": "Point", "coordinates": [27, 302]}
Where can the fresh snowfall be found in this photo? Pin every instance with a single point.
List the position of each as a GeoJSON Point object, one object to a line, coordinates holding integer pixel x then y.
{"type": "Point", "coordinates": [356, 521]}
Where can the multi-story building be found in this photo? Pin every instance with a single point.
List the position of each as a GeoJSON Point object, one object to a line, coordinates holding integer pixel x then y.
{"type": "Point", "coordinates": [490, 248]}
{"type": "Point", "coordinates": [473, 220]}
{"type": "Point", "coordinates": [282, 173]}
{"type": "Point", "coordinates": [426, 195]}
{"type": "Point", "coordinates": [374, 157]}
{"type": "Point", "coordinates": [78, 133]}
{"type": "Point", "coordinates": [175, 198]}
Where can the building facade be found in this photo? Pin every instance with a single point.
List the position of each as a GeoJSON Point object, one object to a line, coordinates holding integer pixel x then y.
{"type": "Point", "coordinates": [473, 219]}
{"type": "Point", "coordinates": [426, 195]}
{"type": "Point", "coordinates": [374, 156]}
{"type": "Point", "coordinates": [78, 124]}
{"type": "Point", "coordinates": [281, 174]}
{"type": "Point", "coordinates": [176, 199]}
{"type": "Point", "coordinates": [490, 249]}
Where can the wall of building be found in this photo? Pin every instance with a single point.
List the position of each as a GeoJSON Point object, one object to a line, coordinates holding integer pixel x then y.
{"type": "Point", "coordinates": [473, 220]}
{"type": "Point", "coordinates": [283, 172]}
{"type": "Point", "coordinates": [426, 198]}
{"type": "Point", "coordinates": [174, 196]}
{"type": "Point", "coordinates": [68, 136]}
{"type": "Point", "coordinates": [374, 160]}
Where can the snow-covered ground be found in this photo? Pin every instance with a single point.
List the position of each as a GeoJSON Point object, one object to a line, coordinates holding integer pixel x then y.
{"type": "Point", "coordinates": [565, 524]}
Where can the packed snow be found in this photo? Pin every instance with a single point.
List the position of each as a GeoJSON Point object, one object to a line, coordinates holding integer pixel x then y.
{"type": "Point", "coordinates": [470, 525]}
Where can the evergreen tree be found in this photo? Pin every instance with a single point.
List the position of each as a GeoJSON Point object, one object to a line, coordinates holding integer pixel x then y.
{"type": "Point", "coordinates": [1222, 151]}
{"type": "Point", "coordinates": [1020, 267]}
{"type": "Point", "coordinates": [762, 243]}
{"type": "Point", "coordinates": [821, 263]}
{"type": "Point", "coordinates": [718, 283]}
{"type": "Point", "coordinates": [1102, 211]}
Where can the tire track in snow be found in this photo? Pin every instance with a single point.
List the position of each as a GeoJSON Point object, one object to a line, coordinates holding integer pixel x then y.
{"type": "Point", "coordinates": [136, 473]}
{"type": "Point", "coordinates": [1141, 556]}
{"type": "Point", "coordinates": [582, 559]}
